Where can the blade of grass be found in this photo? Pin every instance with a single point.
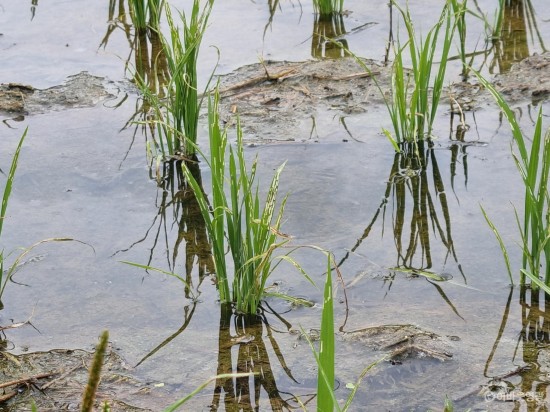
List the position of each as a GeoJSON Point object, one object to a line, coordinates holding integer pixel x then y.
{"type": "Point", "coordinates": [9, 183]}
{"type": "Point", "coordinates": [501, 243]}
{"type": "Point", "coordinates": [175, 406]}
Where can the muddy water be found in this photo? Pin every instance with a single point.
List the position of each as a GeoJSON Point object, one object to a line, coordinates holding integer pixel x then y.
{"type": "Point", "coordinates": [82, 177]}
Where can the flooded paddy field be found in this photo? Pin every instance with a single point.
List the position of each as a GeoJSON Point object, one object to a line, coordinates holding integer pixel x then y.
{"type": "Point", "coordinates": [426, 286]}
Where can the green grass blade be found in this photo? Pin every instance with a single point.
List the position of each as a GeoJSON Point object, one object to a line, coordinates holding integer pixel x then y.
{"type": "Point", "coordinates": [176, 405]}
{"type": "Point", "coordinates": [501, 243]}
{"type": "Point", "coordinates": [325, 386]}
{"type": "Point", "coordinates": [9, 182]}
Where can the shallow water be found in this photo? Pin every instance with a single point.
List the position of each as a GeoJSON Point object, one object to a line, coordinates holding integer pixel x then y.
{"type": "Point", "coordinates": [81, 176]}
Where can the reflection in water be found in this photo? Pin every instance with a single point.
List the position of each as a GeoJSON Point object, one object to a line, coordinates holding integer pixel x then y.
{"type": "Point", "coordinates": [328, 40]}
{"type": "Point", "coordinates": [34, 5]}
{"type": "Point", "coordinates": [459, 144]}
{"type": "Point", "coordinates": [525, 385]}
{"type": "Point", "coordinates": [242, 349]}
{"type": "Point", "coordinates": [273, 6]}
{"type": "Point", "coordinates": [511, 43]}
{"type": "Point", "coordinates": [178, 207]}
{"type": "Point", "coordinates": [188, 312]}
{"type": "Point", "coordinates": [146, 61]}
{"type": "Point", "coordinates": [420, 214]}
{"type": "Point", "coordinates": [514, 30]}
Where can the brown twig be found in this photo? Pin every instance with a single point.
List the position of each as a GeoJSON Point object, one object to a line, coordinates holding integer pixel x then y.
{"type": "Point", "coordinates": [346, 77]}
{"type": "Point", "coordinates": [27, 379]}
{"type": "Point", "coordinates": [258, 79]}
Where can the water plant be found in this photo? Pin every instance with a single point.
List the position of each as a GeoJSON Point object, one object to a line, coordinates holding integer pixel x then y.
{"type": "Point", "coordinates": [237, 220]}
{"type": "Point", "coordinates": [145, 13]}
{"type": "Point", "coordinates": [325, 355]}
{"type": "Point", "coordinates": [460, 7]}
{"type": "Point", "coordinates": [5, 274]}
{"type": "Point", "coordinates": [327, 8]}
{"type": "Point", "coordinates": [175, 108]}
{"type": "Point", "coordinates": [534, 168]}
{"type": "Point", "coordinates": [415, 96]}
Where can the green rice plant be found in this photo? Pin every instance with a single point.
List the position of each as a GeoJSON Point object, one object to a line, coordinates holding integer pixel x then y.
{"type": "Point", "coordinates": [176, 114]}
{"type": "Point", "coordinates": [534, 168]}
{"type": "Point", "coordinates": [176, 405]}
{"type": "Point", "coordinates": [9, 183]}
{"type": "Point", "coordinates": [8, 271]}
{"type": "Point", "coordinates": [325, 356]}
{"type": "Point", "coordinates": [238, 221]}
{"type": "Point", "coordinates": [145, 13]}
{"type": "Point", "coordinates": [5, 275]}
{"type": "Point", "coordinates": [327, 8]}
{"type": "Point", "coordinates": [460, 7]}
{"type": "Point", "coordinates": [415, 96]}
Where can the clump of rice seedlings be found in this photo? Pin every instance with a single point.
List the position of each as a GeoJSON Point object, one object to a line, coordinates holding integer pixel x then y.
{"type": "Point", "coordinates": [175, 109]}
{"type": "Point", "coordinates": [327, 8]}
{"type": "Point", "coordinates": [238, 221]}
{"type": "Point", "coordinates": [534, 168]}
{"type": "Point", "coordinates": [415, 96]}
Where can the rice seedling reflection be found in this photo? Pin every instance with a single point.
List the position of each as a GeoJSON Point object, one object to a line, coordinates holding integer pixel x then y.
{"type": "Point", "coordinates": [242, 348]}
{"type": "Point", "coordinates": [533, 349]}
{"type": "Point", "coordinates": [511, 37]}
{"type": "Point", "coordinates": [188, 312]}
{"type": "Point", "coordinates": [178, 207]}
{"type": "Point", "coordinates": [408, 183]}
{"type": "Point", "coordinates": [328, 39]}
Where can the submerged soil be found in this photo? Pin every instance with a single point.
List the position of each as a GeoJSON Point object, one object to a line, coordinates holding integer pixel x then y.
{"type": "Point", "coordinates": [274, 99]}
{"type": "Point", "coordinates": [79, 90]}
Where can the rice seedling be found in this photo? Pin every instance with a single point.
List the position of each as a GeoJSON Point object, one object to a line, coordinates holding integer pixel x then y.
{"type": "Point", "coordinates": [175, 110]}
{"type": "Point", "coordinates": [5, 274]}
{"type": "Point", "coordinates": [327, 8]}
{"type": "Point", "coordinates": [176, 405]}
{"type": "Point", "coordinates": [534, 168]}
{"type": "Point", "coordinates": [145, 13]}
{"type": "Point", "coordinates": [237, 221]}
{"type": "Point", "coordinates": [459, 9]}
{"type": "Point", "coordinates": [415, 96]}
{"type": "Point", "coordinates": [325, 356]}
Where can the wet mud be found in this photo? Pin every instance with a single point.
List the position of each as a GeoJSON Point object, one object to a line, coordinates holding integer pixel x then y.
{"type": "Point", "coordinates": [79, 90]}
{"type": "Point", "coordinates": [55, 381]}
